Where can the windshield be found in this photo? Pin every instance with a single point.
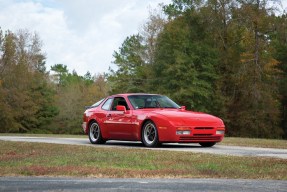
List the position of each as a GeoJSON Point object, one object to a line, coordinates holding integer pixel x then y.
{"type": "Point", "coordinates": [152, 101]}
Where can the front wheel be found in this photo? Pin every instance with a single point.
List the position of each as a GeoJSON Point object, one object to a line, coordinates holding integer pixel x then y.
{"type": "Point", "coordinates": [150, 135]}
{"type": "Point", "coordinates": [95, 134]}
{"type": "Point", "coordinates": [208, 144]}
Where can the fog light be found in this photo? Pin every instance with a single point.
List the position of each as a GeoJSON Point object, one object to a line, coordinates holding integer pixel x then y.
{"type": "Point", "coordinates": [221, 132]}
{"type": "Point", "coordinates": [183, 132]}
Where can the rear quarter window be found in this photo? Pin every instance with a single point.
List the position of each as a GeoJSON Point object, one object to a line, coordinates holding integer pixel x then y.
{"type": "Point", "coordinates": [107, 105]}
{"type": "Point", "coordinates": [97, 103]}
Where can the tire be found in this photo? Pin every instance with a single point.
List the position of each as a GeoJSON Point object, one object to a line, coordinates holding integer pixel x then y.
{"type": "Point", "coordinates": [150, 135]}
{"type": "Point", "coordinates": [209, 144]}
{"type": "Point", "coordinates": [95, 134]}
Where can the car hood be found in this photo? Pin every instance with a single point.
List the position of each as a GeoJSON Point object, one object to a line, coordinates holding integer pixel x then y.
{"type": "Point", "coordinates": [189, 118]}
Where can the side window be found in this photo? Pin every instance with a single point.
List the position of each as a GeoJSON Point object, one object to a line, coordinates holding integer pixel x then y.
{"type": "Point", "coordinates": [107, 104]}
{"type": "Point", "coordinates": [119, 101]}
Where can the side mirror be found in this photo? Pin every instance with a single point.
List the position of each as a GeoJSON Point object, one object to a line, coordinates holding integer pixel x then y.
{"type": "Point", "coordinates": [121, 108]}
{"type": "Point", "coordinates": [183, 108]}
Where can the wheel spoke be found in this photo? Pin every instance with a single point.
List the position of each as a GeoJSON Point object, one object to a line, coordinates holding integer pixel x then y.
{"type": "Point", "coordinates": [94, 132]}
{"type": "Point", "coordinates": [149, 133]}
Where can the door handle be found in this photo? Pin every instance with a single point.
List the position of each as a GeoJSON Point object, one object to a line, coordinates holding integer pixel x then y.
{"type": "Point", "coordinates": [108, 115]}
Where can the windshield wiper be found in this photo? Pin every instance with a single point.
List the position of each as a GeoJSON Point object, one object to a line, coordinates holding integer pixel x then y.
{"type": "Point", "coordinates": [147, 107]}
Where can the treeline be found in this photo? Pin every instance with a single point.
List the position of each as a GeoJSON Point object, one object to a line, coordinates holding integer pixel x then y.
{"type": "Point", "coordinates": [73, 93]}
{"type": "Point", "coordinates": [225, 57]}
{"type": "Point", "coordinates": [34, 100]}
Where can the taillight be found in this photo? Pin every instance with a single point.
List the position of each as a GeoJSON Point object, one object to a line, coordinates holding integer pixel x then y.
{"type": "Point", "coordinates": [84, 117]}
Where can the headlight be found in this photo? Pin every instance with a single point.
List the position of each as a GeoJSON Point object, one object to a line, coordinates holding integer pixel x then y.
{"type": "Point", "coordinates": [183, 132]}
{"type": "Point", "coordinates": [219, 132]}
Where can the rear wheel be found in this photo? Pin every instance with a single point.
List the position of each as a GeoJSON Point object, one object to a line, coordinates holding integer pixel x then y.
{"type": "Point", "coordinates": [150, 135]}
{"type": "Point", "coordinates": [208, 144]}
{"type": "Point", "coordinates": [95, 134]}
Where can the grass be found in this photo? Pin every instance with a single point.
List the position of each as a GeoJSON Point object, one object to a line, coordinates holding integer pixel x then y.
{"type": "Point", "coordinates": [251, 142]}
{"type": "Point", "coordinates": [38, 159]}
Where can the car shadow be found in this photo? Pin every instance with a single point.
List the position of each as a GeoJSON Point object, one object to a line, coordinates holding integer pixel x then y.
{"type": "Point", "coordinates": [124, 143]}
{"type": "Point", "coordinates": [180, 145]}
{"type": "Point", "coordinates": [141, 145]}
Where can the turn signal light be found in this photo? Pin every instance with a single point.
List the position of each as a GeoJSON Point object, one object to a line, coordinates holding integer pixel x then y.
{"type": "Point", "coordinates": [183, 132]}
{"type": "Point", "coordinates": [219, 132]}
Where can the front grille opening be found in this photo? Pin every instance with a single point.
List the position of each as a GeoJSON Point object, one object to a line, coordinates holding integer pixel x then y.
{"type": "Point", "coordinates": [202, 134]}
{"type": "Point", "coordinates": [203, 128]}
{"type": "Point", "coordinates": [200, 138]}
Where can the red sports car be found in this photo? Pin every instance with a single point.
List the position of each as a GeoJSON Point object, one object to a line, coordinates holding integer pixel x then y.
{"type": "Point", "coordinates": [150, 118]}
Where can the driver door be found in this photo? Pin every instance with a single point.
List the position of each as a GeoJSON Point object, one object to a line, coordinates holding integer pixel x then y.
{"type": "Point", "coordinates": [120, 124]}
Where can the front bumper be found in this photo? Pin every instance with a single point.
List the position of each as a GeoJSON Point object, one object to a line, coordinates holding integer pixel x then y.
{"type": "Point", "coordinates": [198, 139]}
{"type": "Point", "coordinates": [197, 134]}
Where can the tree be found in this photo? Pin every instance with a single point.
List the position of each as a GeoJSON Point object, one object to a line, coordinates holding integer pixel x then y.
{"type": "Point", "coordinates": [24, 89]}
{"type": "Point", "coordinates": [150, 31]}
{"type": "Point", "coordinates": [130, 75]}
{"type": "Point", "coordinates": [135, 57]}
{"type": "Point", "coordinates": [74, 92]}
{"type": "Point", "coordinates": [279, 42]}
{"type": "Point", "coordinates": [185, 62]}
{"type": "Point", "coordinates": [61, 73]}
{"type": "Point", "coordinates": [255, 101]}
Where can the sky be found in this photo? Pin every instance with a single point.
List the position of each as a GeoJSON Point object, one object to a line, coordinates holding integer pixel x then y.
{"type": "Point", "coordinates": [82, 34]}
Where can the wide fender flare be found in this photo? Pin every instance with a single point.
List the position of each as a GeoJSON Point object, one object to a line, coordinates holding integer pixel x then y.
{"type": "Point", "coordinates": [100, 121]}
{"type": "Point", "coordinates": [166, 130]}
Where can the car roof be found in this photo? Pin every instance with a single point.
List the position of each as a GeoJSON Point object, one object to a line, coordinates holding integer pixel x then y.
{"type": "Point", "coordinates": [128, 94]}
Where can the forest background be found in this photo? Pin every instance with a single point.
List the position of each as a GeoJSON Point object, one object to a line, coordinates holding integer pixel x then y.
{"type": "Point", "coordinates": [224, 57]}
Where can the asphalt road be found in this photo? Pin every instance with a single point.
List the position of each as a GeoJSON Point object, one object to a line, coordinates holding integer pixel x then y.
{"type": "Point", "coordinates": [217, 149]}
{"type": "Point", "coordinates": [8, 184]}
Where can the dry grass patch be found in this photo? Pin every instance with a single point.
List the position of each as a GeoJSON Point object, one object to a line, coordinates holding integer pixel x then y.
{"type": "Point", "coordinates": [38, 159]}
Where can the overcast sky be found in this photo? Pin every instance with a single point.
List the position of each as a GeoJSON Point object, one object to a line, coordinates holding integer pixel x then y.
{"type": "Point", "coordinates": [82, 34]}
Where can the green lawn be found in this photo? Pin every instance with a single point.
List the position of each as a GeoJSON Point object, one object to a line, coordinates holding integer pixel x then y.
{"type": "Point", "coordinates": [38, 159]}
{"type": "Point", "coordinates": [249, 142]}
